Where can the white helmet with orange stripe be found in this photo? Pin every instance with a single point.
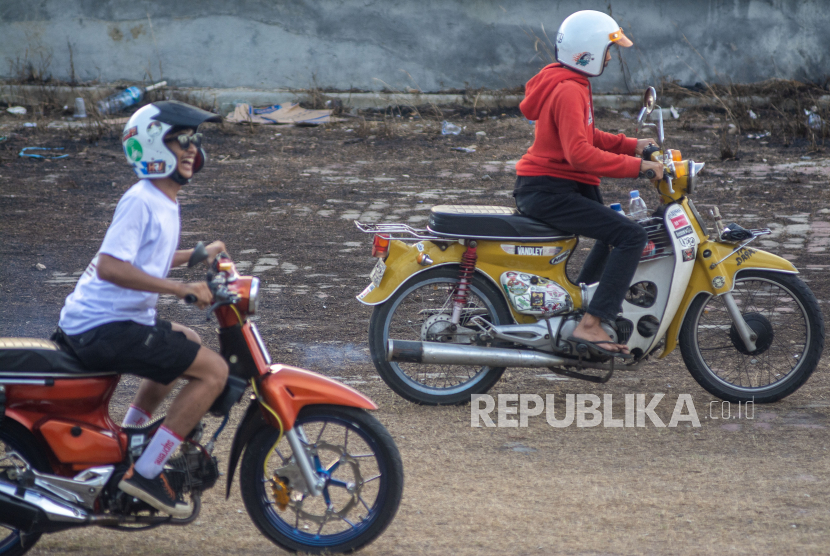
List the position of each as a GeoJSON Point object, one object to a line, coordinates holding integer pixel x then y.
{"type": "Point", "coordinates": [584, 38]}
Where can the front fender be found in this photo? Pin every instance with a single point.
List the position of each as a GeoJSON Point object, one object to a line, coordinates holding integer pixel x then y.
{"type": "Point", "coordinates": [720, 279]}
{"type": "Point", "coordinates": [402, 264]}
{"type": "Point", "coordinates": [289, 389]}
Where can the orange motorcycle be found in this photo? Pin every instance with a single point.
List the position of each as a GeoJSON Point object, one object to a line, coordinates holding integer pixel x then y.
{"type": "Point", "coordinates": [319, 473]}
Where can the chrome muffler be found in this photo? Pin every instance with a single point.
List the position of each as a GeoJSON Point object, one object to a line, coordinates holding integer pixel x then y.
{"type": "Point", "coordinates": [31, 510]}
{"type": "Point", "coordinates": [454, 354]}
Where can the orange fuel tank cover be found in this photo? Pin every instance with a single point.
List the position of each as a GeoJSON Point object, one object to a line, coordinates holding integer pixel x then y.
{"type": "Point", "coordinates": [77, 443]}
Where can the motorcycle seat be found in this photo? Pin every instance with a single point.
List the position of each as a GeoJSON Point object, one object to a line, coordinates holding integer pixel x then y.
{"type": "Point", "coordinates": [489, 222]}
{"type": "Point", "coordinates": [34, 357]}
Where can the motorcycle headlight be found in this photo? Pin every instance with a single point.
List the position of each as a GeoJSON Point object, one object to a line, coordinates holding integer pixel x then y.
{"type": "Point", "coordinates": [693, 171]}
{"type": "Point", "coordinates": [253, 297]}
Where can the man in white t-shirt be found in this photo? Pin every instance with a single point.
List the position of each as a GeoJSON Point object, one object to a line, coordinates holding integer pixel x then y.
{"type": "Point", "coordinates": [109, 321]}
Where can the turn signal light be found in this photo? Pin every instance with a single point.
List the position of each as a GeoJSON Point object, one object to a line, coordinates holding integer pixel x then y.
{"type": "Point", "coordinates": [676, 156]}
{"type": "Point", "coordinates": [380, 246]}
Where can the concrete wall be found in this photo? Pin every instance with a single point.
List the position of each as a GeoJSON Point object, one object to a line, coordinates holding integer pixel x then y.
{"type": "Point", "coordinates": [429, 45]}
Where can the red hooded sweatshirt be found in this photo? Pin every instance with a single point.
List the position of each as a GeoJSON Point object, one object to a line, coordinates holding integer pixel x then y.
{"type": "Point", "coordinates": [566, 144]}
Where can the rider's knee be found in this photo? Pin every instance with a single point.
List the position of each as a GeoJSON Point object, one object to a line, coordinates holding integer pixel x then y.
{"type": "Point", "coordinates": [219, 373]}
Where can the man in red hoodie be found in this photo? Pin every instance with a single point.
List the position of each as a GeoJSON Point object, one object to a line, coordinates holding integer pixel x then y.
{"type": "Point", "coordinates": [558, 178]}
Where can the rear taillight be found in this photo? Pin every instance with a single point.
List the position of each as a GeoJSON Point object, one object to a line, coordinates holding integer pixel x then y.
{"type": "Point", "coordinates": [380, 246]}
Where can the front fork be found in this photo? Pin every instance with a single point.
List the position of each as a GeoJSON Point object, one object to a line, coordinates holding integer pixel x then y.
{"type": "Point", "coordinates": [298, 444]}
{"type": "Point", "coordinates": [744, 331]}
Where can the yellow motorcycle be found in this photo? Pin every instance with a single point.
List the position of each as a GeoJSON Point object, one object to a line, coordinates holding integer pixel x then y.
{"type": "Point", "coordinates": [483, 288]}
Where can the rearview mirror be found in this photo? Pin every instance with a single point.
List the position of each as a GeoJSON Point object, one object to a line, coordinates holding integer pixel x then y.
{"type": "Point", "coordinates": [199, 254]}
{"type": "Point", "coordinates": [649, 100]}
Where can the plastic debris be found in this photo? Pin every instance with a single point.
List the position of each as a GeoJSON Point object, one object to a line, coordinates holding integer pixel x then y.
{"type": "Point", "coordinates": [30, 124]}
{"type": "Point", "coordinates": [760, 135]}
{"type": "Point", "coordinates": [814, 121]}
{"type": "Point", "coordinates": [674, 113]}
{"type": "Point", "coordinates": [127, 97]}
{"type": "Point", "coordinates": [279, 114]}
{"type": "Point", "coordinates": [80, 108]}
{"type": "Point", "coordinates": [449, 128]}
{"type": "Point", "coordinates": [752, 115]}
{"type": "Point", "coordinates": [469, 149]}
{"type": "Point", "coordinates": [17, 110]}
{"type": "Point", "coordinates": [40, 266]}
{"type": "Point", "coordinates": [23, 153]}
{"type": "Point", "coordinates": [481, 133]}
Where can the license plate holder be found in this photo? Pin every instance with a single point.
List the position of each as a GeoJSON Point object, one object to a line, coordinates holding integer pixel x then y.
{"type": "Point", "coordinates": [377, 272]}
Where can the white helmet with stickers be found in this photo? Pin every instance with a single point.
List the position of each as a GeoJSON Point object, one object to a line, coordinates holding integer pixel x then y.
{"type": "Point", "coordinates": [143, 138]}
{"type": "Point", "coordinates": [584, 38]}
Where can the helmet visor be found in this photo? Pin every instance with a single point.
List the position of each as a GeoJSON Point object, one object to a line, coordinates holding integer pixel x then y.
{"type": "Point", "coordinates": [619, 38]}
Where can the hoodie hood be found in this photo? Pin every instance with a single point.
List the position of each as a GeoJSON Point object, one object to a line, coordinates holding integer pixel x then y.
{"type": "Point", "coordinates": [539, 88]}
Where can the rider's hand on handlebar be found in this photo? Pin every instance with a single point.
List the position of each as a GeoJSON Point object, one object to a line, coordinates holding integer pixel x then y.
{"type": "Point", "coordinates": [656, 167]}
{"type": "Point", "coordinates": [641, 145]}
{"type": "Point", "coordinates": [201, 292]}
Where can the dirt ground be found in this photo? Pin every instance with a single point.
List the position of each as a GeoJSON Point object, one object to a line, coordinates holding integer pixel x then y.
{"type": "Point", "coordinates": [283, 200]}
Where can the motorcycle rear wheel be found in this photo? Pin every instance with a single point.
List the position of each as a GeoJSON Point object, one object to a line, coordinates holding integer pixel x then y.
{"type": "Point", "coordinates": [14, 438]}
{"type": "Point", "coordinates": [364, 482]}
{"type": "Point", "coordinates": [785, 315]}
{"type": "Point", "coordinates": [402, 317]}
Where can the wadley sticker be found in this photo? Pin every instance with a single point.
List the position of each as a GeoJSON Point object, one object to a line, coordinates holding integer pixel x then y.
{"type": "Point", "coordinates": [530, 250]}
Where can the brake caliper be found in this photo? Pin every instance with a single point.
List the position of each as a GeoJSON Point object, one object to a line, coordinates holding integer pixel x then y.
{"type": "Point", "coordinates": [281, 492]}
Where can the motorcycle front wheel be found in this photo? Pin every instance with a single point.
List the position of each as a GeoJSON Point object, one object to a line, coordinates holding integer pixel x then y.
{"type": "Point", "coordinates": [13, 438]}
{"type": "Point", "coordinates": [419, 311]}
{"type": "Point", "coordinates": [363, 474]}
{"type": "Point", "coordinates": [783, 313]}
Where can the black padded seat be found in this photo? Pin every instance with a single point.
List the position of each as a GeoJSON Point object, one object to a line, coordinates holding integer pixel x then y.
{"type": "Point", "coordinates": [489, 222]}
{"type": "Point", "coordinates": [39, 358]}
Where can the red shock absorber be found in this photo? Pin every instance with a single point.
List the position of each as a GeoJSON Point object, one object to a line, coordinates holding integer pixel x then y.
{"type": "Point", "coordinates": [465, 276]}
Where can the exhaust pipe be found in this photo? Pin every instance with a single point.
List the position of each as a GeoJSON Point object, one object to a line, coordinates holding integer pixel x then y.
{"type": "Point", "coordinates": [454, 354]}
{"type": "Point", "coordinates": [34, 511]}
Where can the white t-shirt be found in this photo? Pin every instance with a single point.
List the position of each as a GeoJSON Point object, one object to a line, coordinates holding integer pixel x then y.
{"type": "Point", "coordinates": [145, 233]}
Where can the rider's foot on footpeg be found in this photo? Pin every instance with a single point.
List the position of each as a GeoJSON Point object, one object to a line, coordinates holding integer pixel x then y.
{"type": "Point", "coordinates": [156, 492]}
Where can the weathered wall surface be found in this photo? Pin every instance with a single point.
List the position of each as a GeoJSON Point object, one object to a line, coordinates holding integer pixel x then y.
{"type": "Point", "coordinates": [429, 45]}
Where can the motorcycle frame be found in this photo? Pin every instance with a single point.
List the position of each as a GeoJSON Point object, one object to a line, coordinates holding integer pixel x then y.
{"type": "Point", "coordinates": [700, 276]}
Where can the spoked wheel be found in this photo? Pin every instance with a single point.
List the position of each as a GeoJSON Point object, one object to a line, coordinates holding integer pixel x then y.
{"type": "Point", "coordinates": [421, 310]}
{"type": "Point", "coordinates": [15, 440]}
{"type": "Point", "coordinates": [362, 469]}
{"type": "Point", "coordinates": [784, 315]}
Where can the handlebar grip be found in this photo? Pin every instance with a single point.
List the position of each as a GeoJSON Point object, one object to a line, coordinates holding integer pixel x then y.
{"type": "Point", "coordinates": [650, 174]}
{"type": "Point", "coordinates": [190, 299]}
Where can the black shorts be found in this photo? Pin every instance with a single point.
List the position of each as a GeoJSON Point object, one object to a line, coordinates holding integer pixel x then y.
{"type": "Point", "coordinates": [155, 352]}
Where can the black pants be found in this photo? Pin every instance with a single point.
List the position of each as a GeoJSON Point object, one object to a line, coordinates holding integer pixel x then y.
{"type": "Point", "coordinates": [577, 208]}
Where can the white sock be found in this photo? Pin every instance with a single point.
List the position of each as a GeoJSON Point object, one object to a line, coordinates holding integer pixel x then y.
{"type": "Point", "coordinates": [161, 447]}
{"type": "Point", "coordinates": [135, 417]}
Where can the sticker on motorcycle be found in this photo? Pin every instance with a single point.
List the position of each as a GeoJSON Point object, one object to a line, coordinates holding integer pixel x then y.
{"type": "Point", "coordinates": [718, 282]}
{"type": "Point", "coordinates": [530, 250]}
{"type": "Point", "coordinates": [687, 241]}
{"type": "Point", "coordinates": [377, 273]}
{"type": "Point", "coordinates": [688, 254]}
{"type": "Point", "coordinates": [679, 221]}
{"type": "Point", "coordinates": [420, 247]}
{"type": "Point", "coordinates": [744, 255]}
{"type": "Point", "coordinates": [559, 258]}
{"type": "Point", "coordinates": [683, 231]}
{"type": "Point", "coordinates": [366, 291]}
{"type": "Point", "coordinates": [535, 295]}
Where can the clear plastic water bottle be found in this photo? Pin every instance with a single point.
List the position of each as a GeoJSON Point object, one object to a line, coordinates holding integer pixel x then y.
{"type": "Point", "coordinates": [127, 97]}
{"type": "Point", "coordinates": [637, 207]}
{"type": "Point", "coordinates": [449, 128]}
{"type": "Point", "coordinates": [618, 208]}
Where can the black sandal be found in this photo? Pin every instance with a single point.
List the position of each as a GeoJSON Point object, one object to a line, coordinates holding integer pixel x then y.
{"type": "Point", "coordinates": [595, 345]}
